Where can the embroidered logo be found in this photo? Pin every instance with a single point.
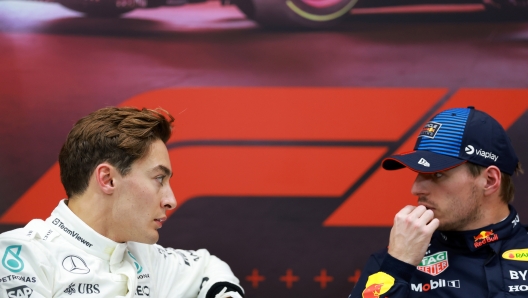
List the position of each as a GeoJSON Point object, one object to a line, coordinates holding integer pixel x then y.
{"type": "Point", "coordinates": [516, 254]}
{"type": "Point", "coordinates": [515, 221]}
{"type": "Point", "coordinates": [372, 291]}
{"type": "Point", "coordinates": [470, 149]}
{"type": "Point", "coordinates": [430, 130]}
{"type": "Point", "coordinates": [19, 292]}
{"type": "Point", "coordinates": [424, 162]}
{"type": "Point", "coordinates": [138, 267]}
{"type": "Point", "coordinates": [435, 284]}
{"type": "Point", "coordinates": [485, 237]}
{"type": "Point", "coordinates": [11, 259]}
{"type": "Point", "coordinates": [70, 290]}
{"type": "Point", "coordinates": [378, 284]}
{"type": "Point", "coordinates": [75, 265]}
{"type": "Point", "coordinates": [434, 264]}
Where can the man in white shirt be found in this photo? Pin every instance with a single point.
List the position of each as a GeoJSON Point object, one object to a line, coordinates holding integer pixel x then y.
{"type": "Point", "coordinates": [100, 242]}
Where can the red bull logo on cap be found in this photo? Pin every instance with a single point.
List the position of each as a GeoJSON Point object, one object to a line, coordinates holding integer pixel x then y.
{"type": "Point", "coordinates": [485, 237]}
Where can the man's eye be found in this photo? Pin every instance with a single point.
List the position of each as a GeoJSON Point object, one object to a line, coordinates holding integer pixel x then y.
{"type": "Point", "coordinates": [160, 179]}
{"type": "Point", "coordinates": [438, 175]}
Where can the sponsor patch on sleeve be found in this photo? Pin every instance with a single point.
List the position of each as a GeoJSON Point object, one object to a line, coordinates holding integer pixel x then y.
{"type": "Point", "coordinates": [377, 284]}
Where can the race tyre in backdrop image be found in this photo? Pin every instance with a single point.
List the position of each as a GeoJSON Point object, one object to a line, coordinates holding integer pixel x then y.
{"type": "Point", "coordinates": [313, 14]}
{"type": "Point", "coordinates": [103, 8]}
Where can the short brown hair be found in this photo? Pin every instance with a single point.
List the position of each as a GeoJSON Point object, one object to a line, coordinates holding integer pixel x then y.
{"type": "Point", "coordinates": [118, 136]}
{"type": "Point", "coordinates": [507, 189]}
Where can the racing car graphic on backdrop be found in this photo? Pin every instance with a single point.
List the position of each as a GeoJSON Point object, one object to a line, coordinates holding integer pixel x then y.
{"type": "Point", "coordinates": [278, 13]}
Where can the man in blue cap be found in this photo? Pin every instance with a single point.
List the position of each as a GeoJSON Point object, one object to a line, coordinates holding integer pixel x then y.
{"type": "Point", "coordinates": [464, 238]}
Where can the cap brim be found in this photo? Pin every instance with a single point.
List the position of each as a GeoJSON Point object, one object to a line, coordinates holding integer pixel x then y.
{"type": "Point", "coordinates": [421, 161]}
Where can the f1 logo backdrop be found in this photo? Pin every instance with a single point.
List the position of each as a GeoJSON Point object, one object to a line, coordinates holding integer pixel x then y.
{"type": "Point", "coordinates": [284, 183]}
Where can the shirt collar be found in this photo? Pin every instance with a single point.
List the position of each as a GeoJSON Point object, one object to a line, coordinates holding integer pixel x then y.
{"type": "Point", "coordinates": [479, 238]}
{"type": "Point", "coordinates": [82, 236]}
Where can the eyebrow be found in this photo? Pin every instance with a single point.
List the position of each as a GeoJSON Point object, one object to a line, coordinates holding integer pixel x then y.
{"type": "Point", "coordinates": [164, 169]}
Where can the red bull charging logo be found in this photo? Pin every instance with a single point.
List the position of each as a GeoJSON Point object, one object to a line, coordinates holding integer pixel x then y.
{"type": "Point", "coordinates": [378, 284]}
{"type": "Point", "coordinates": [372, 291]}
{"type": "Point", "coordinates": [485, 237]}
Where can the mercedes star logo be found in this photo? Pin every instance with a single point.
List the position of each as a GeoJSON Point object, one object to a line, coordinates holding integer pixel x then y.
{"type": "Point", "coordinates": [75, 265]}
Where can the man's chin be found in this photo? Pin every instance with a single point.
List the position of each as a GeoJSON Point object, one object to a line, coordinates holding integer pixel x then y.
{"type": "Point", "coordinates": [154, 239]}
{"type": "Point", "coordinates": [150, 239]}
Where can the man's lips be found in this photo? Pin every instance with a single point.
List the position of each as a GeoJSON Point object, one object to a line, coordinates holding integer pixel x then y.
{"type": "Point", "coordinates": [423, 201]}
{"type": "Point", "coordinates": [428, 207]}
{"type": "Point", "coordinates": [160, 221]}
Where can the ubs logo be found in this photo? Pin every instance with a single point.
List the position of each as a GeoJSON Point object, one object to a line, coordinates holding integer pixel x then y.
{"type": "Point", "coordinates": [82, 289]}
{"type": "Point", "coordinates": [75, 265]}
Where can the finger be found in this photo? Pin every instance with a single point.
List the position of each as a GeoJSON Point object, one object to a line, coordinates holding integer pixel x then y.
{"type": "Point", "coordinates": [432, 225]}
{"type": "Point", "coordinates": [417, 212]}
{"type": "Point", "coordinates": [406, 210]}
{"type": "Point", "coordinates": [403, 213]}
{"type": "Point", "coordinates": [426, 217]}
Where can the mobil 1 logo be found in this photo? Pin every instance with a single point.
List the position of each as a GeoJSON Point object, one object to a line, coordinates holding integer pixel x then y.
{"type": "Point", "coordinates": [19, 292]}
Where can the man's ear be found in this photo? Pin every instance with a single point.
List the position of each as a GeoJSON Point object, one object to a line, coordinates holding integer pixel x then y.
{"type": "Point", "coordinates": [104, 175]}
{"type": "Point", "coordinates": [493, 180]}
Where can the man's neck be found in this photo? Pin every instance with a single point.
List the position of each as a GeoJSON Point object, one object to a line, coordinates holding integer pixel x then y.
{"type": "Point", "coordinates": [490, 215]}
{"type": "Point", "coordinates": [93, 211]}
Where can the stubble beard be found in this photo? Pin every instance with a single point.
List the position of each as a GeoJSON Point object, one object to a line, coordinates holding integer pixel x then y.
{"type": "Point", "coordinates": [463, 213]}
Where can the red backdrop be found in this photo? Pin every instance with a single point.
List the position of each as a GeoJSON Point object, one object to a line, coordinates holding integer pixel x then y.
{"type": "Point", "coordinates": [285, 183]}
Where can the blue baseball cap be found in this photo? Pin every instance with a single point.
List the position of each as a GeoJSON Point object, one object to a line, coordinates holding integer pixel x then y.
{"type": "Point", "coordinates": [456, 136]}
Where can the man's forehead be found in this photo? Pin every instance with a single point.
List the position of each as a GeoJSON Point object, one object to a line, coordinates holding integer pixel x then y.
{"type": "Point", "coordinates": [157, 157]}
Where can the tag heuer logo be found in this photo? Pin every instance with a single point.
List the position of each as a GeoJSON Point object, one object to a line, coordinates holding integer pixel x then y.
{"type": "Point", "coordinates": [434, 264]}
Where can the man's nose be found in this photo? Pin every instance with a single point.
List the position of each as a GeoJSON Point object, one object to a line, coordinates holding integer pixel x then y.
{"type": "Point", "coordinates": [419, 187]}
{"type": "Point", "coordinates": [169, 201]}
